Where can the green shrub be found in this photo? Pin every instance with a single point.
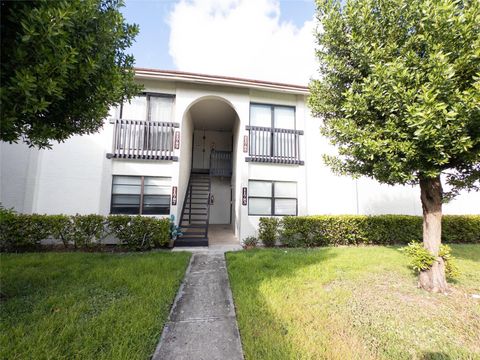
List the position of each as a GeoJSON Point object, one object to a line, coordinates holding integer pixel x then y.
{"type": "Point", "coordinates": [250, 242]}
{"type": "Point", "coordinates": [62, 228]}
{"type": "Point", "coordinates": [463, 229]}
{"type": "Point", "coordinates": [334, 230]}
{"type": "Point", "coordinates": [451, 268]}
{"type": "Point", "coordinates": [11, 233]}
{"type": "Point", "coordinates": [20, 232]}
{"type": "Point", "coordinates": [421, 259]}
{"type": "Point", "coordinates": [268, 231]}
{"type": "Point", "coordinates": [140, 233]}
{"type": "Point", "coordinates": [88, 230]}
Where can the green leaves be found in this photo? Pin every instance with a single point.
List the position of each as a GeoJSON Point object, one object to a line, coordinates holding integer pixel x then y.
{"type": "Point", "coordinates": [63, 65]}
{"type": "Point", "coordinates": [400, 92]}
{"type": "Point", "coordinates": [422, 260]}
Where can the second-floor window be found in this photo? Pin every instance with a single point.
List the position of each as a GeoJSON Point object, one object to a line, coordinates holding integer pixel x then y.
{"type": "Point", "coordinates": [151, 107]}
{"type": "Point", "coordinates": [272, 133]}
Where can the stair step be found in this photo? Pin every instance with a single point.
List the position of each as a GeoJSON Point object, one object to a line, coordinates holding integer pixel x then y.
{"type": "Point", "coordinates": [198, 226]}
{"type": "Point", "coordinates": [190, 233]}
{"type": "Point", "coordinates": [191, 242]}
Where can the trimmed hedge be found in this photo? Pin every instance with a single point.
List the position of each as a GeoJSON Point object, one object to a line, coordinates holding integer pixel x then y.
{"type": "Point", "coordinates": [268, 230]}
{"type": "Point", "coordinates": [334, 230]}
{"type": "Point", "coordinates": [22, 232]}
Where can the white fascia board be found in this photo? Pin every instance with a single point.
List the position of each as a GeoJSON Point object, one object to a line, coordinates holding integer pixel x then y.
{"type": "Point", "coordinates": [214, 80]}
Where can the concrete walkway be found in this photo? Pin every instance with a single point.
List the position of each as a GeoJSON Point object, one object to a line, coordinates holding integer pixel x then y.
{"type": "Point", "coordinates": [202, 323]}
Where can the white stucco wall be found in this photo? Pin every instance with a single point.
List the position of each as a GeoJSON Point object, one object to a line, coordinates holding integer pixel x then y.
{"type": "Point", "coordinates": [75, 176]}
{"type": "Point", "coordinates": [18, 173]}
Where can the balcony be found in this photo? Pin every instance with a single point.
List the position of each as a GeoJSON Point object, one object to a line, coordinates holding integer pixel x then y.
{"type": "Point", "coordinates": [144, 140]}
{"type": "Point", "coordinates": [220, 163]}
{"type": "Point", "coordinates": [272, 145]}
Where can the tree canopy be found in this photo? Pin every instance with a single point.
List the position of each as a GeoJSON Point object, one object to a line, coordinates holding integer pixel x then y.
{"type": "Point", "coordinates": [63, 65]}
{"type": "Point", "coordinates": [400, 88]}
{"type": "Point", "coordinates": [399, 94]}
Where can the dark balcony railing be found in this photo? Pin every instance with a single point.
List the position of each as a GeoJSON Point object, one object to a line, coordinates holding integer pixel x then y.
{"type": "Point", "coordinates": [220, 163]}
{"type": "Point", "coordinates": [148, 140]}
{"type": "Point", "coordinates": [281, 146]}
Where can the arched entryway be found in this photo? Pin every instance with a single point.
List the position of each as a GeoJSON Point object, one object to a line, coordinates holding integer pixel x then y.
{"type": "Point", "coordinates": [207, 215]}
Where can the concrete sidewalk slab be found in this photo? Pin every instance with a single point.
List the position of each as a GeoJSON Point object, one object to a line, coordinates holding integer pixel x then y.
{"type": "Point", "coordinates": [202, 323]}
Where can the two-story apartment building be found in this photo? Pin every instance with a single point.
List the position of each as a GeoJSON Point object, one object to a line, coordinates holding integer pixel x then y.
{"type": "Point", "coordinates": [207, 149]}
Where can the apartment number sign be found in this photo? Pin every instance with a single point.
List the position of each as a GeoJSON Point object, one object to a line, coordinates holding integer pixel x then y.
{"type": "Point", "coordinates": [177, 140]}
{"type": "Point", "coordinates": [174, 195]}
{"type": "Point", "coordinates": [245, 143]}
{"type": "Point", "coordinates": [244, 196]}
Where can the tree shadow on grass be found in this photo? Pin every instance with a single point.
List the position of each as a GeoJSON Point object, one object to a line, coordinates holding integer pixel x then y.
{"type": "Point", "coordinates": [263, 334]}
{"type": "Point", "coordinates": [435, 356]}
{"type": "Point", "coordinates": [466, 251]}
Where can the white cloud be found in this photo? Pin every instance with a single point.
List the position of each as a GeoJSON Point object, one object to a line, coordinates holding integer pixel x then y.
{"type": "Point", "coordinates": [242, 38]}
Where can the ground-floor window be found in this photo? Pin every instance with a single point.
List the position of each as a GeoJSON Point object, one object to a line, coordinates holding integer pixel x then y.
{"type": "Point", "coordinates": [140, 195]}
{"type": "Point", "coordinates": [266, 198]}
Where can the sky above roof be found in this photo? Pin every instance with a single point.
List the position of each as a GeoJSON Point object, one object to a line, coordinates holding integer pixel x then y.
{"type": "Point", "coordinates": [269, 40]}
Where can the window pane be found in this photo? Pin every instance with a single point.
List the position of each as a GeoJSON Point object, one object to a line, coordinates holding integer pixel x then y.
{"type": "Point", "coordinates": [126, 200]}
{"type": "Point", "coordinates": [260, 115]}
{"type": "Point", "coordinates": [156, 205]}
{"type": "Point", "coordinates": [156, 190]}
{"type": "Point", "coordinates": [127, 180]}
{"type": "Point", "coordinates": [124, 209]}
{"type": "Point", "coordinates": [158, 181]}
{"type": "Point", "coordinates": [284, 118]}
{"type": "Point", "coordinates": [126, 189]}
{"type": "Point", "coordinates": [286, 189]}
{"type": "Point", "coordinates": [125, 204]}
{"type": "Point", "coordinates": [161, 108]}
{"type": "Point", "coordinates": [136, 109]}
{"type": "Point", "coordinates": [156, 210]}
{"type": "Point", "coordinates": [259, 206]}
{"type": "Point", "coordinates": [260, 188]}
{"type": "Point", "coordinates": [285, 207]}
{"type": "Point", "coordinates": [156, 200]}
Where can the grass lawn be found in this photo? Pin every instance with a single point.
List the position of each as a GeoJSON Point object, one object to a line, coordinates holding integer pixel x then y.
{"type": "Point", "coordinates": [86, 306]}
{"type": "Point", "coordinates": [352, 303]}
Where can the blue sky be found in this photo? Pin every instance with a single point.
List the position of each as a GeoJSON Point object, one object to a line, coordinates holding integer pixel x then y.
{"type": "Point", "coordinates": [263, 39]}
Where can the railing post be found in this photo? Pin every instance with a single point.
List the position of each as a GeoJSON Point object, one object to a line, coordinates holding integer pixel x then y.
{"type": "Point", "coordinates": [190, 206]}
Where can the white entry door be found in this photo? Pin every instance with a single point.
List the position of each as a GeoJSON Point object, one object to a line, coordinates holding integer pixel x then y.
{"type": "Point", "coordinates": [221, 197]}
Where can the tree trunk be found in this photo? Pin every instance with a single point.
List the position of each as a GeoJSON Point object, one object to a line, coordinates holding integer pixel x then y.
{"type": "Point", "coordinates": [431, 194]}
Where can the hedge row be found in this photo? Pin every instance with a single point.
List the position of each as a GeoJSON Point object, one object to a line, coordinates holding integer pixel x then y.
{"type": "Point", "coordinates": [334, 230]}
{"type": "Point", "coordinates": [22, 232]}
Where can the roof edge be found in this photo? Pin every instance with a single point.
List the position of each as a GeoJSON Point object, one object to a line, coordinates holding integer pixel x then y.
{"type": "Point", "coordinates": [220, 80]}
